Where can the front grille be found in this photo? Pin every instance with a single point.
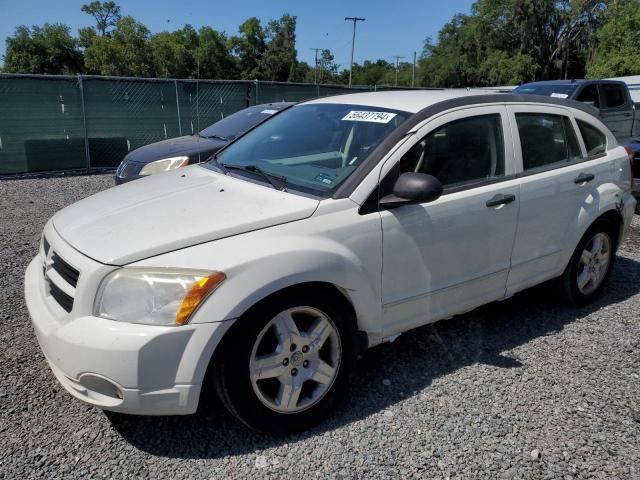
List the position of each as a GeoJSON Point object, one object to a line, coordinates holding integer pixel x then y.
{"type": "Point", "coordinates": [66, 271]}
{"type": "Point", "coordinates": [62, 298]}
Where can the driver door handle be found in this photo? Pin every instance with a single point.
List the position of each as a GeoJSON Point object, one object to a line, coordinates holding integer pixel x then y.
{"type": "Point", "coordinates": [500, 199]}
{"type": "Point", "coordinates": [583, 178]}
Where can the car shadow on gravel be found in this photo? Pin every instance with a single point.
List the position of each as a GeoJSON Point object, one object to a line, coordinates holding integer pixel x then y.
{"type": "Point", "coordinates": [485, 335]}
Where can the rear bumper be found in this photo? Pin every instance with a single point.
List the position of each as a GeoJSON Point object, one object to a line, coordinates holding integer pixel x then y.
{"type": "Point", "coordinates": [123, 367]}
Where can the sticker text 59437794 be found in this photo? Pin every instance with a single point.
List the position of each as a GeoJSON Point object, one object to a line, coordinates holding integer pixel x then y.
{"type": "Point", "coordinates": [364, 116]}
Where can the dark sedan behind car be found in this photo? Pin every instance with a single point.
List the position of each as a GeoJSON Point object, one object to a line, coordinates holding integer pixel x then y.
{"type": "Point", "coordinates": [181, 151]}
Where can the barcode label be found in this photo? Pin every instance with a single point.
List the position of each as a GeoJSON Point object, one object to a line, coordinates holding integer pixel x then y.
{"type": "Point", "coordinates": [363, 116]}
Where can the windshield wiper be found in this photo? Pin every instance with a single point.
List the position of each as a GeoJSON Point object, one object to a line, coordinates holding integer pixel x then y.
{"type": "Point", "coordinates": [217, 163]}
{"type": "Point", "coordinates": [268, 176]}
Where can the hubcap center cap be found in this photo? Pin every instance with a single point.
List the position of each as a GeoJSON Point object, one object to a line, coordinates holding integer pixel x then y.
{"type": "Point", "coordinates": [296, 359]}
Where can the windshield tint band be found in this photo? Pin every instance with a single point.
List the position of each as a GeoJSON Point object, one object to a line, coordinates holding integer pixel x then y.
{"type": "Point", "coordinates": [350, 184]}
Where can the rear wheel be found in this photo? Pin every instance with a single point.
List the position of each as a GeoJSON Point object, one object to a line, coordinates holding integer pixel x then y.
{"type": "Point", "coordinates": [590, 265]}
{"type": "Point", "coordinates": [287, 363]}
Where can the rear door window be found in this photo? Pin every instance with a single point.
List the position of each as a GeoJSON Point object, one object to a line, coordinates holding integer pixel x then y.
{"type": "Point", "coordinates": [613, 95]}
{"type": "Point", "coordinates": [589, 94]}
{"type": "Point", "coordinates": [546, 140]}
{"type": "Point", "coordinates": [462, 152]}
{"type": "Point", "coordinates": [594, 140]}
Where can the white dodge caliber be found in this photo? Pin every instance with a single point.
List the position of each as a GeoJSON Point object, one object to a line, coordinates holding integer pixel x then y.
{"type": "Point", "coordinates": [332, 227]}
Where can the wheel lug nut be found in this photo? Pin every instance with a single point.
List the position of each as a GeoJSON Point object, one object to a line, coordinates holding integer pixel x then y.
{"type": "Point", "coordinates": [305, 349]}
{"type": "Point", "coordinates": [294, 371]}
{"type": "Point", "coordinates": [305, 364]}
{"type": "Point", "coordinates": [293, 347]}
{"type": "Point", "coordinates": [285, 362]}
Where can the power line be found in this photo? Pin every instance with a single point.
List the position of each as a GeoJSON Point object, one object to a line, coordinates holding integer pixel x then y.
{"type": "Point", "coordinates": [353, 43]}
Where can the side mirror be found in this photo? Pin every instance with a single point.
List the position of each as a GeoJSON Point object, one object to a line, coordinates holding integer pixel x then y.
{"type": "Point", "coordinates": [413, 187]}
{"type": "Point", "coordinates": [591, 104]}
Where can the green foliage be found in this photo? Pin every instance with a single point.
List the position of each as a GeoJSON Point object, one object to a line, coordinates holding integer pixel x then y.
{"type": "Point", "coordinates": [280, 57]}
{"type": "Point", "coordinates": [125, 52]}
{"type": "Point", "coordinates": [48, 49]}
{"type": "Point", "coordinates": [214, 55]}
{"type": "Point", "coordinates": [106, 15]}
{"type": "Point", "coordinates": [501, 42]}
{"type": "Point", "coordinates": [249, 47]}
{"type": "Point", "coordinates": [513, 41]}
{"type": "Point", "coordinates": [618, 53]}
{"type": "Point", "coordinates": [174, 53]}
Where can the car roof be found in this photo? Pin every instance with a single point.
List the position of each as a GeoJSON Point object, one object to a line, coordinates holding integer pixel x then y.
{"type": "Point", "coordinates": [411, 101]}
{"type": "Point", "coordinates": [570, 82]}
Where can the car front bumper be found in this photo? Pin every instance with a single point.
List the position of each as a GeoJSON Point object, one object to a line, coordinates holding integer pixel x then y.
{"type": "Point", "coordinates": [118, 366]}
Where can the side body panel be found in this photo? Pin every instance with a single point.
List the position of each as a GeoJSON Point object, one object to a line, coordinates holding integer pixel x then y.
{"type": "Point", "coordinates": [453, 254]}
{"type": "Point", "coordinates": [555, 211]}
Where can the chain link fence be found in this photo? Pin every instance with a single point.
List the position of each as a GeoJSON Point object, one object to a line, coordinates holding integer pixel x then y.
{"type": "Point", "coordinates": [51, 123]}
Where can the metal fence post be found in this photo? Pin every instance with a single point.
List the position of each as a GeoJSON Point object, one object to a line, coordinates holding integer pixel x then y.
{"type": "Point", "coordinates": [257, 84]}
{"type": "Point", "coordinates": [87, 153]}
{"type": "Point", "coordinates": [175, 83]}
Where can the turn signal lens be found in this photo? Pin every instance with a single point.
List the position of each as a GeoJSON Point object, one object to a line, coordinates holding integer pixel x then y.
{"type": "Point", "coordinates": [198, 291]}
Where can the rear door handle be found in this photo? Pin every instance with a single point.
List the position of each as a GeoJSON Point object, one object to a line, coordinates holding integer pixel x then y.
{"type": "Point", "coordinates": [583, 178]}
{"type": "Point", "coordinates": [501, 199]}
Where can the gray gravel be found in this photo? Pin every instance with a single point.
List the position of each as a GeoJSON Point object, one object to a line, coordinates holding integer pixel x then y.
{"type": "Point", "coordinates": [526, 388]}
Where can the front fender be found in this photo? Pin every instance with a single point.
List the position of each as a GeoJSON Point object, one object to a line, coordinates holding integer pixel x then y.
{"type": "Point", "coordinates": [260, 263]}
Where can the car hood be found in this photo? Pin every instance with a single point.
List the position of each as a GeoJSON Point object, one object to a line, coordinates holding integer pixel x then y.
{"type": "Point", "coordinates": [187, 145]}
{"type": "Point", "coordinates": [173, 210]}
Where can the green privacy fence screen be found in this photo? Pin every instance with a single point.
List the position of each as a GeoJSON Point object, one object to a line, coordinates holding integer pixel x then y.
{"type": "Point", "coordinates": [50, 123]}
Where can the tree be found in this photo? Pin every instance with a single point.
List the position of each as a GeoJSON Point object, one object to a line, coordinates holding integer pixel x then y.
{"type": "Point", "coordinates": [48, 49]}
{"type": "Point", "coordinates": [327, 68]}
{"type": "Point", "coordinates": [214, 55]}
{"type": "Point", "coordinates": [513, 41]}
{"type": "Point", "coordinates": [174, 53]}
{"type": "Point", "coordinates": [106, 15]}
{"type": "Point", "coordinates": [249, 47]}
{"type": "Point", "coordinates": [280, 57]}
{"type": "Point", "coordinates": [126, 52]}
{"type": "Point", "coordinates": [618, 53]}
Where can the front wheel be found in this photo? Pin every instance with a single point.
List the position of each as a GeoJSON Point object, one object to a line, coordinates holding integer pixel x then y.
{"type": "Point", "coordinates": [590, 265]}
{"type": "Point", "coordinates": [286, 364]}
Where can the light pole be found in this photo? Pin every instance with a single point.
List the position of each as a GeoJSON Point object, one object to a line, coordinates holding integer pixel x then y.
{"type": "Point", "coordinates": [397, 57]}
{"type": "Point", "coordinates": [353, 43]}
{"type": "Point", "coordinates": [315, 72]}
{"type": "Point", "coordinates": [413, 72]}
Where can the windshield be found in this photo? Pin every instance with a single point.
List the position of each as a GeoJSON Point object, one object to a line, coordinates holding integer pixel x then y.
{"type": "Point", "coordinates": [314, 146]}
{"type": "Point", "coordinates": [562, 91]}
{"type": "Point", "coordinates": [237, 123]}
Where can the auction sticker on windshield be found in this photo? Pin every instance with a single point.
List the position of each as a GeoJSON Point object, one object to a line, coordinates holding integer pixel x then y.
{"type": "Point", "coordinates": [363, 116]}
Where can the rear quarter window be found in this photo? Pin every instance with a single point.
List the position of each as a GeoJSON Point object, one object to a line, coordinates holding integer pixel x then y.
{"type": "Point", "coordinates": [594, 140]}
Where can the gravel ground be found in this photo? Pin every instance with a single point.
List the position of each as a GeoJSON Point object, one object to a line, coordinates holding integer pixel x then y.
{"type": "Point", "coordinates": [526, 388]}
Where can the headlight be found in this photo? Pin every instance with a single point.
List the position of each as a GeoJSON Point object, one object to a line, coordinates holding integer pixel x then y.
{"type": "Point", "coordinates": [154, 297]}
{"type": "Point", "coordinates": [164, 165]}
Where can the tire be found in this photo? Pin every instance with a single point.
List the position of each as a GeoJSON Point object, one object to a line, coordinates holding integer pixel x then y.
{"type": "Point", "coordinates": [572, 282]}
{"type": "Point", "coordinates": [263, 337]}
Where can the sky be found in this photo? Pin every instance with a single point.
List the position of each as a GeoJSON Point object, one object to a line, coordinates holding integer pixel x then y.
{"type": "Point", "coordinates": [391, 27]}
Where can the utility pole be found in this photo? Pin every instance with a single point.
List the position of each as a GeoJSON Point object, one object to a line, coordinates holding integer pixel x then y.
{"type": "Point", "coordinates": [397, 57]}
{"type": "Point", "coordinates": [413, 72]}
{"type": "Point", "coordinates": [315, 72]}
{"type": "Point", "coordinates": [353, 43]}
